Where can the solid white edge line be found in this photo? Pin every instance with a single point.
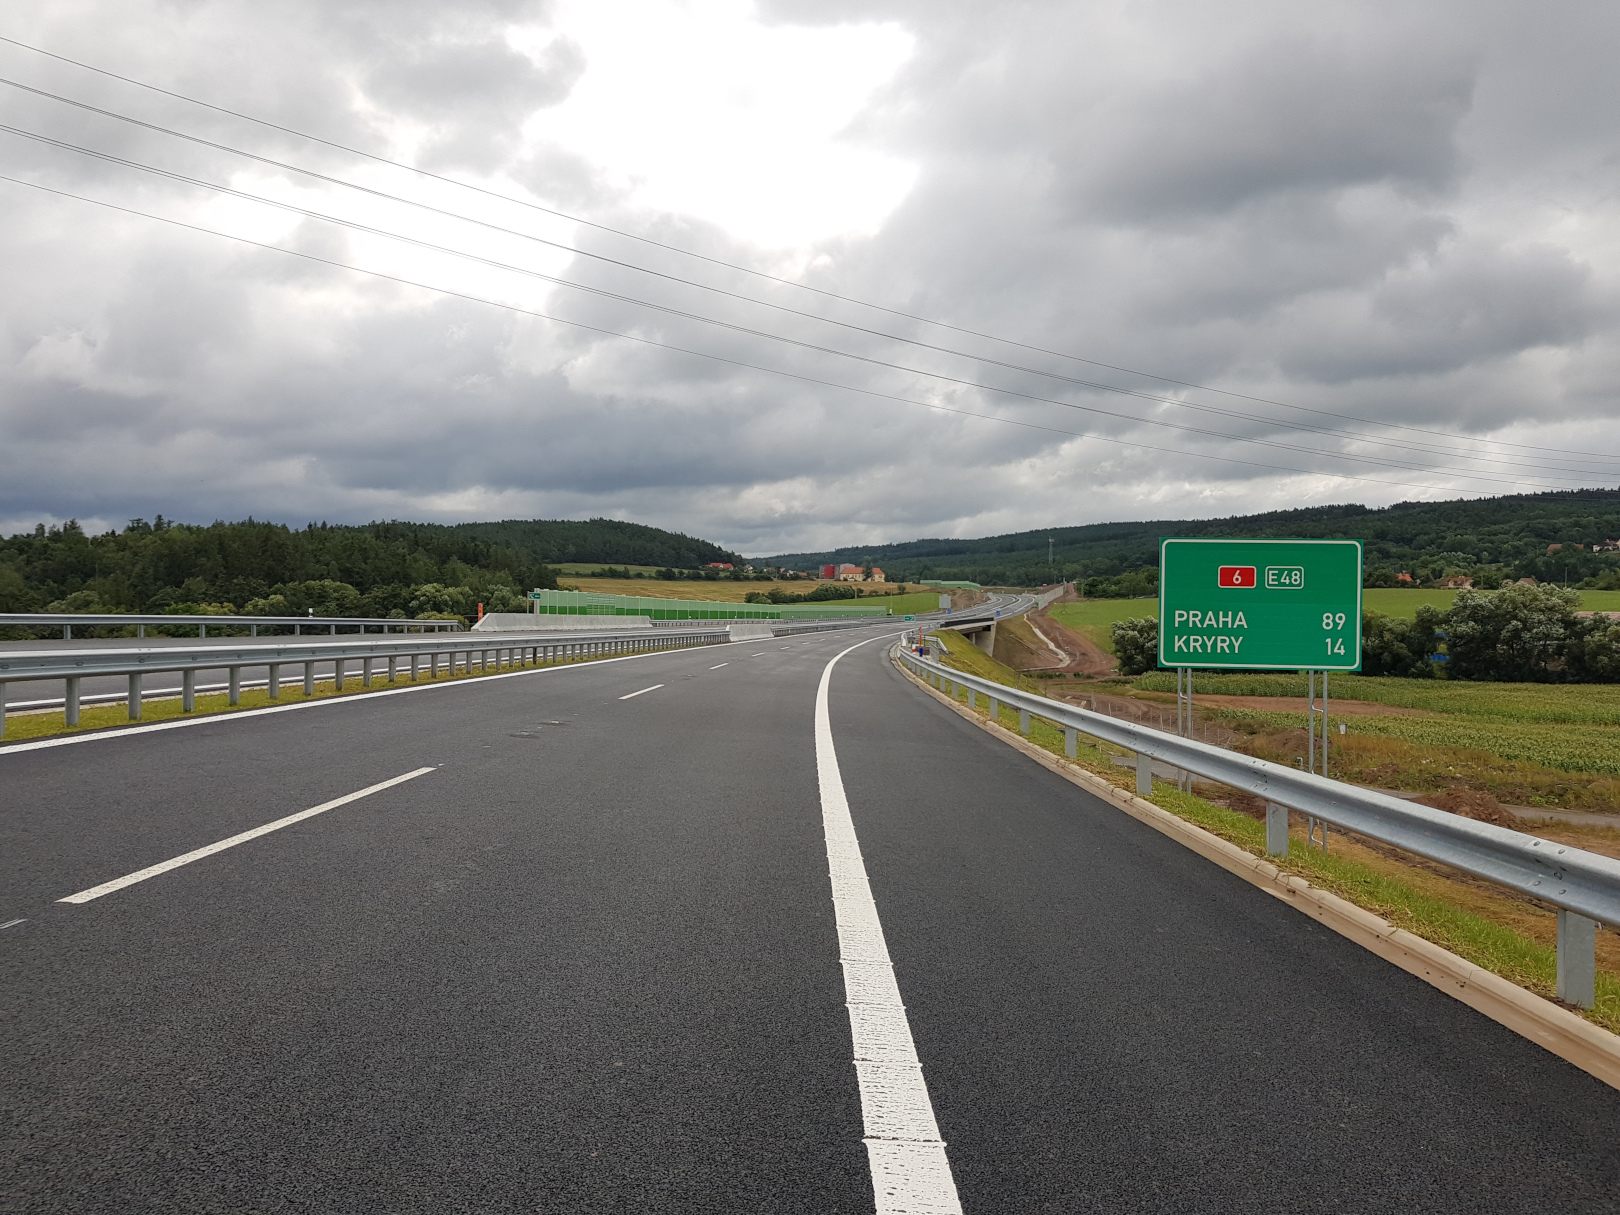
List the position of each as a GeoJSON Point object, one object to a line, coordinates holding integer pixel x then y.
{"type": "Point", "coordinates": [911, 1174]}
{"type": "Point", "coordinates": [197, 854]}
{"type": "Point", "coordinates": [643, 691]}
{"type": "Point", "coordinates": [348, 698]}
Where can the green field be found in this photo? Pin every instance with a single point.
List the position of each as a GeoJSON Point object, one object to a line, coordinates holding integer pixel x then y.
{"type": "Point", "coordinates": [1093, 616]}
{"type": "Point", "coordinates": [1565, 726]}
{"type": "Point", "coordinates": [926, 601]}
{"type": "Point", "coordinates": [590, 567]}
{"type": "Point", "coordinates": [1587, 704]}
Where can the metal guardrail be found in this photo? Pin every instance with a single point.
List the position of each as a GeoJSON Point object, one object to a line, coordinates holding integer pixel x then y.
{"type": "Point", "coordinates": [1584, 886]}
{"type": "Point", "coordinates": [523, 649]}
{"type": "Point", "coordinates": [68, 620]}
{"type": "Point", "coordinates": [792, 628]}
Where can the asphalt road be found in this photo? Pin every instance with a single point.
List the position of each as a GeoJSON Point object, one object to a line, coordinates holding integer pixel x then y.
{"type": "Point", "coordinates": [589, 963]}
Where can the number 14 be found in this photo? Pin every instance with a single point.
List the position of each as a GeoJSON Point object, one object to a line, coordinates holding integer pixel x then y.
{"type": "Point", "coordinates": [1335, 645]}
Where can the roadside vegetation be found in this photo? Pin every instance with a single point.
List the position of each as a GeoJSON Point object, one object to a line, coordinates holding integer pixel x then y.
{"type": "Point", "coordinates": [1507, 934]}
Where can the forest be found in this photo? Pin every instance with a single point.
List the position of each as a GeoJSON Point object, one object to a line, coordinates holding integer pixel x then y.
{"type": "Point", "coordinates": [257, 568]}
{"type": "Point", "coordinates": [1487, 539]}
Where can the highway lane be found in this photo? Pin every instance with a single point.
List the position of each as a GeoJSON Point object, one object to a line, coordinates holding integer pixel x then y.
{"type": "Point", "coordinates": [1109, 1022]}
{"type": "Point", "coordinates": [589, 963]}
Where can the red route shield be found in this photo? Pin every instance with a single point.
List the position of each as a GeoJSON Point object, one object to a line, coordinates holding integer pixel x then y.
{"type": "Point", "coordinates": [1237, 575]}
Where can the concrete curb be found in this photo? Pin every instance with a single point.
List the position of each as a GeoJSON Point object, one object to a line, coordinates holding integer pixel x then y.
{"type": "Point", "coordinates": [1572, 1038]}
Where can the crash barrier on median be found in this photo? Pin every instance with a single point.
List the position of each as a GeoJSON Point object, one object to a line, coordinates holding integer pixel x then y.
{"type": "Point", "coordinates": [529, 622]}
{"type": "Point", "coordinates": [463, 651]}
{"type": "Point", "coordinates": [1583, 886]}
{"type": "Point", "coordinates": [791, 628]}
{"type": "Point", "coordinates": [68, 621]}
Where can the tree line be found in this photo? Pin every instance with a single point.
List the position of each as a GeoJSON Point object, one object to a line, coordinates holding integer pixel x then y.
{"type": "Point", "coordinates": [1519, 634]}
{"type": "Point", "coordinates": [1488, 539]}
{"type": "Point", "coordinates": [257, 568]}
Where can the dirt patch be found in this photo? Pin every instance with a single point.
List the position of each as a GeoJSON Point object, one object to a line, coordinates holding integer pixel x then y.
{"type": "Point", "coordinates": [1472, 803]}
{"type": "Point", "coordinates": [1026, 643]}
{"type": "Point", "coordinates": [1296, 704]}
{"type": "Point", "coordinates": [1085, 656]}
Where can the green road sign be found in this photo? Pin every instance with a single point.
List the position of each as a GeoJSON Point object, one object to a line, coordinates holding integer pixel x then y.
{"type": "Point", "coordinates": [1260, 604]}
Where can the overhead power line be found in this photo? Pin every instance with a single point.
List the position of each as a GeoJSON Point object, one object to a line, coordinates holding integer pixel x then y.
{"type": "Point", "coordinates": [371, 191]}
{"type": "Point", "coordinates": [717, 358]}
{"type": "Point", "coordinates": [749, 331]}
{"type": "Point", "coordinates": [748, 270]}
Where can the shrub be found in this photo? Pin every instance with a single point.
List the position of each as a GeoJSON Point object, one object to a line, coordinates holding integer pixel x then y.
{"type": "Point", "coordinates": [1392, 646]}
{"type": "Point", "coordinates": [1520, 634]}
{"type": "Point", "coordinates": [1136, 641]}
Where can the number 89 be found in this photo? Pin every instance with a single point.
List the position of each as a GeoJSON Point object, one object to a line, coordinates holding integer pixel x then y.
{"type": "Point", "coordinates": [1331, 620]}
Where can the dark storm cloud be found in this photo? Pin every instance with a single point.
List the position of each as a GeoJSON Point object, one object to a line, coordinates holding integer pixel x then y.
{"type": "Point", "coordinates": [1404, 213]}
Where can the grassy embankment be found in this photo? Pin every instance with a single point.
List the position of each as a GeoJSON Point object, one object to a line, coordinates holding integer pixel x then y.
{"type": "Point", "coordinates": [1525, 744]}
{"type": "Point", "coordinates": [161, 707]}
{"type": "Point", "coordinates": [1507, 935]}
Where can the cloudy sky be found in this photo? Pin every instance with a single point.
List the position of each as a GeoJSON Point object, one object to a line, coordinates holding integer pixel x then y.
{"type": "Point", "coordinates": [795, 274]}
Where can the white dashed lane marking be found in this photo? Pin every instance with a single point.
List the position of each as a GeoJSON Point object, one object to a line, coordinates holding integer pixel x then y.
{"type": "Point", "coordinates": [643, 691]}
{"type": "Point", "coordinates": [151, 871]}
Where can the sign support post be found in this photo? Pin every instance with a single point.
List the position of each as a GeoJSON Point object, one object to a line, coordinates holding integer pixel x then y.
{"type": "Point", "coordinates": [1266, 605]}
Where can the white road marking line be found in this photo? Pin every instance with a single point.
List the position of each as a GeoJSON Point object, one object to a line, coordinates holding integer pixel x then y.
{"type": "Point", "coordinates": [910, 1172]}
{"type": "Point", "coordinates": [718, 665]}
{"type": "Point", "coordinates": [13, 923]}
{"type": "Point", "coordinates": [151, 871]}
{"type": "Point", "coordinates": [761, 654]}
{"type": "Point", "coordinates": [633, 695]}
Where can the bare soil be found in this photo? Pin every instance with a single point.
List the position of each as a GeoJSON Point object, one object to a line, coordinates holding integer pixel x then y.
{"type": "Point", "coordinates": [1035, 635]}
{"type": "Point", "coordinates": [1296, 704]}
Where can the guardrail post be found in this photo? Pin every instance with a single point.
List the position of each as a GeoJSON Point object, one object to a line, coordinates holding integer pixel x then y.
{"type": "Point", "coordinates": [1071, 740]}
{"type": "Point", "coordinates": [202, 630]}
{"type": "Point", "coordinates": [1023, 721]}
{"type": "Point", "coordinates": [337, 674]}
{"type": "Point", "coordinates": [67, 632]}
{"type": "Point", "coordinates": [413, 668]}
{"type": "Point", "coordinates": [275, 681]}
{"type": "Point", "coordinates": [1276, 829]}
{"type": "Point", "coordinates": [393, 669]}
{"type": "Point", "coordinates": [188, 691]}
{"type": "Point", "coordinates": [70, 704]}
{"type": "Point", "coordinates": [135, 696]}
{"type": "Point", "coordinates": [1144, 774]}
{"type": "Point", "coordinates": [235, 685]}
{"type": "Point", "coordinates": [309, 679]}
{"type": "Point", "coordinates": [1577, 959]}
{"type": "Point", "coordinates": [2, 710]}
{"type": "Point", "coordinates": [995, 709]}
{"type": "Point", "coordinates": [365, 672]}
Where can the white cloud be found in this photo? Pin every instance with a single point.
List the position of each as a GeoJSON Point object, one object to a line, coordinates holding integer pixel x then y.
{"type": "Point", "coordinates": [1409, 216]}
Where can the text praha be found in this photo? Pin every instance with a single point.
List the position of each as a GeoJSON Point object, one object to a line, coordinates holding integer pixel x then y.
{"type": "Point", "coordinates": [1216, 633]}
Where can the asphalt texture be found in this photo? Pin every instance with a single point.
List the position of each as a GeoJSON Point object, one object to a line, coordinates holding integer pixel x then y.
{"type": "Point", "coordinates": [589, 964]}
